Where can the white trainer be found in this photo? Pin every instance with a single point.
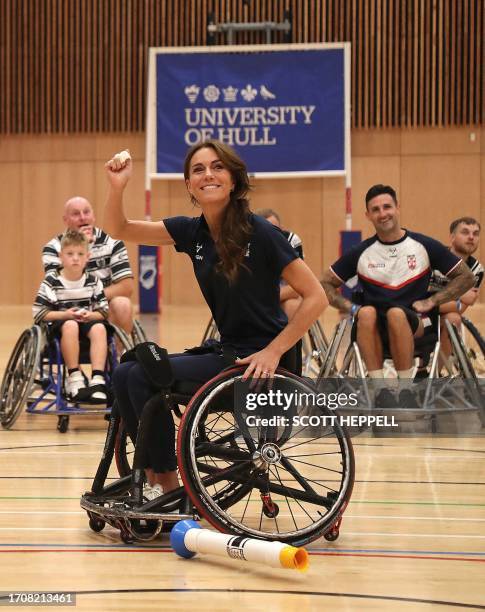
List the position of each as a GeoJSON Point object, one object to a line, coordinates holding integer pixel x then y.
{"type": "Point", "coordinates": [150, 493]}
{"type": "Point", "coordinates": [97, 388]}
{"type": "Point", "coordinates": [74, 384]}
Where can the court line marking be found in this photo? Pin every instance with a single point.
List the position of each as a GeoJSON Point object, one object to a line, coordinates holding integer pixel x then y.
{"type": "Point", "coordinates": [390, 534]}
{"type": "Point", "coordinates": [357, 481]}
{"type": "Point", "coordinates": [433, 602]}
{"type": "Point", "coordinates": [354, 501]}
{"type": "Point", "coordinates": [347, 516]}
{"type": "Point", "coordinates": [111, 549]}
{"type": "Point", "coordinates": [59, 453]}
{"type": "Point", "coordinates": [167, 548]}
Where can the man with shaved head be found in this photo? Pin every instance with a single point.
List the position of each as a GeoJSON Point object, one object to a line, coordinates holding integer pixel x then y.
{"type": "Point", "coordinates": [108, 259]}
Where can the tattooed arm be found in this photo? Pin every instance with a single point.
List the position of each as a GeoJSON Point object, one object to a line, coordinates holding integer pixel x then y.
{"type": "Point", "coordinates": [461, 279]}
{"type": "Point", "coordinates": [331, 285]}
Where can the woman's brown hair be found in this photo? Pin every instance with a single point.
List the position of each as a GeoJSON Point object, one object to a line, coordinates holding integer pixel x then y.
{"type": "Point", "coordinates": [235, 227]}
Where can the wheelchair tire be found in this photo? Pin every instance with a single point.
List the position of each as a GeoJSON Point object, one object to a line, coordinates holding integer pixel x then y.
{"type": "Point", "coordinates": [232, 488]}
{"type": "Point", "coordinates": [211, 332]}
{"type": "Point", "coordinates": [19, 375]}
{"type": "Point", "coordinates": [466, 369]}
{"type": "Point", "coordinates": [315, 346]}
{"type": "Point", "coordinates": [124, 451]}
{"type": "Point", "coordinates": [123, 337]}
{"type": "Point", "coordinates": [476, 353]}
{"type": "Point", "coordinates": [138, 334]}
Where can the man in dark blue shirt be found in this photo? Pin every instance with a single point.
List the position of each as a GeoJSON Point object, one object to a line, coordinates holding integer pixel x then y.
{"type": "Point", "coordinates": [394, 268]}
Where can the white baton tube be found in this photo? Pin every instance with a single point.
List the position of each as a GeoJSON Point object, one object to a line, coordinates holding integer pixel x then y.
{"type": "Point", "coordinates": [188, 538]}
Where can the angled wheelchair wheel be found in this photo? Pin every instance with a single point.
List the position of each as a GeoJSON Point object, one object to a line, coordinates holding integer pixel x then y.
{"type": "Point", "coordinates": [19, 375]}
{"type": "Point", "coordinates": [315, 347]}
{"type": "Point", "coordinates": [464, 366]}
{"type": "Point", "coordinates": [211, 332]}
{"type": "Point", "coordinates": [138, 334]}
{"type": "Point", "coordinates": [124, 339]}
{"type": "Point", "coordinates": [263, 482]}
{"type": "Point", "coordinates": [474, 345]}
{"type": "Point", "coordinates": [124, 451]}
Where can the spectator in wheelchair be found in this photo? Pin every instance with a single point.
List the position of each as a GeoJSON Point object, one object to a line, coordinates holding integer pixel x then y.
{"type": "Point", "coordinates": [238, 260]}
{"type": "Point", "coordinates": [464, 238]}
{"type": "Point", "coordinates": [73, 302]}
{"type": "Point", "coordinates": [289, 299]}
{"type": "Point", "coordinates": [394, 269]}
{"type": "Point", "coordinates": [108, 259]}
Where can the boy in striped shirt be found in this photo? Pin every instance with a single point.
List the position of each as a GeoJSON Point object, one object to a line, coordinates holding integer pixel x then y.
{"type": "Point", "coordinates": [74, 304]}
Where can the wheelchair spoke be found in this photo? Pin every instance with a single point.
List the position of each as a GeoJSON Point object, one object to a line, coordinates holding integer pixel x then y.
{"type": "Point", "coordinates": [306, 441]}
{"type": "Point", "coordinates": [289, 494]}
{"type": "Point", "coordinates": [241, 474]}
{"type": "Point", "coordinates": [321, 467]}
{"type": "Point", "coordinates": [318, 482]}
{"type": "Point", "coordinates": [285, 463]}
{"type": "Point", "coordinates": [246, 506]}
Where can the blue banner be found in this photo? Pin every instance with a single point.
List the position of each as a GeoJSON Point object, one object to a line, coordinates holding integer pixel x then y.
{"type": "Point", "coordinates": [148, 279]}
{"type": "Point", "coordinates": [284, 111]}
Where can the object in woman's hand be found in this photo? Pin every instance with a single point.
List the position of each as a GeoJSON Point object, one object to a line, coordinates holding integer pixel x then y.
{"type": "Point", "coordinates": [122, 157]}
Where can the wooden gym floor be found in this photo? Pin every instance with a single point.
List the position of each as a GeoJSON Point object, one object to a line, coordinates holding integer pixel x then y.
{"type": "Point", "coordinates": [413, 537]}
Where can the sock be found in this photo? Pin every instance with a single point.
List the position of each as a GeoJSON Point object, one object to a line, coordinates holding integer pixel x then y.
{"type": "Point", "coordinates": [72, 370]}
{"type": "Point", "coordinates": [97, 373]}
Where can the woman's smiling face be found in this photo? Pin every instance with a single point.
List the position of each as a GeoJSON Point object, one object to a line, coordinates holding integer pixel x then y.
{"type": "Point", "coordinates": [209, 180]}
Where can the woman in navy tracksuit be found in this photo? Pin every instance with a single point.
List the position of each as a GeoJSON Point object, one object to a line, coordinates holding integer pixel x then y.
{"type": "Point", "coordinates": [238, 261]}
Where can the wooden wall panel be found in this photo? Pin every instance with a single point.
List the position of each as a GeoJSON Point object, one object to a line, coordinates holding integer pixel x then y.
{"type": "Point", "coordinates": [298, 202]}
{"type": "Point", "coordinates": [333, 220]}
{"type": "Point", "coordinates": [80, 65]}
{"type": "Point", "coordinates": [438, 176]}
{"type": "Point", "coordinates": [46, 186]}
{"type": "Point", "coordinates": [437, 189]}
{"type": "Point", "coordinates": [12, 246]}
{"type": "Point", "coordinates": [429, 141]}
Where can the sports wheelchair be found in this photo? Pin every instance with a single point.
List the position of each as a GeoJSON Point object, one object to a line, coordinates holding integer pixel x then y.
{"type": "Point", "coordinates": [314, 346]}
{"type": "Point", "coordinates": [35, 376]}
{"type": "Point", "coordinates": [267, 481]}
{"type": "Point", "coordinates": [458, 390]}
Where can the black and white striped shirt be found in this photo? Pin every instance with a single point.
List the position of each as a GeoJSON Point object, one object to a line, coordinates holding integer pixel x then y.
{"type": "Point", "coordinates": [108, 258]}
{"type": "Point", "coordinates": [439, 281]}
{"type": "Point", "coordinates": [59, 293]}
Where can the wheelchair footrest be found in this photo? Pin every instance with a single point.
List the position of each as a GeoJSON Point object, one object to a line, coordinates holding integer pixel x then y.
{"type": "Point", "coordinates": [71, 411]}
{"type": "Point", "coordinates": [120, 510]}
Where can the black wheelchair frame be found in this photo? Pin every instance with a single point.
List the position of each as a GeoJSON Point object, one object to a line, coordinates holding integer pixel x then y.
{"type": "Point", "coordinates": [266, 483]}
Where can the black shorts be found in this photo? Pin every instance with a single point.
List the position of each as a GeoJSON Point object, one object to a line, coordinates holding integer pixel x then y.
{"type": "Point", "coordinates": [54, 329]}
{"type": "Point", "coordinates": [429, 320]}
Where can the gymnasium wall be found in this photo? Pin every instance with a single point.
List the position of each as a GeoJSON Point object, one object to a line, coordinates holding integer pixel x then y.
{"type": "Point", "coordinates": [73, 91]}
{"type": "Point", "coordinates": [439, 174]}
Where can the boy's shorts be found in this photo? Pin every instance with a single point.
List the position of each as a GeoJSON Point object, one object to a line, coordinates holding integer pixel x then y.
{"type": "Point", "coordinates": [54, 329]}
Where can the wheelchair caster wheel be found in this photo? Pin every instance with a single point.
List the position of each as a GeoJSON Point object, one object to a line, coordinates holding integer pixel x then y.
{"type": "Point", "coordinates": [96, 525]}
{"type": "Point", "coordinates": [63, 424]}
{"type": "Point", "coordinates": [126, 537]}
{"type": "Point", "coordinates": [271, 511]}
{"type": "Point", "coordinates": [331, 535]}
